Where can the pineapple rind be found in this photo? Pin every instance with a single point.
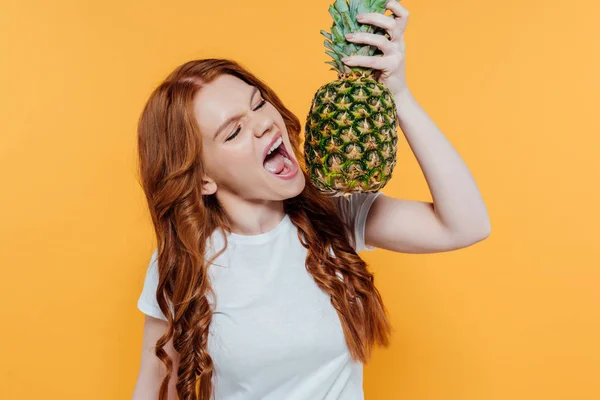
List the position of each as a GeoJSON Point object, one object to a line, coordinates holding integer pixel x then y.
{"type": "Point", "coordinates": [351, 138]}
{"type": "Point", "coordinates": [350, 135]}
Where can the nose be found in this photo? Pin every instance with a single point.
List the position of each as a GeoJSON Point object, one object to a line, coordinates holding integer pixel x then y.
{"type": "Point", "coordinates": [262, 124]}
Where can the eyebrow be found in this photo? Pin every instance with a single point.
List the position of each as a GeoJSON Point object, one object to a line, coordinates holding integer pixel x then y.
{"type": "Point", "coordinates": [234, 117]}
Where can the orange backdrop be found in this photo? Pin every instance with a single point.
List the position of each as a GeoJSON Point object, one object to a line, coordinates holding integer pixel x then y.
{"type": "Point", "coordinates": [513, 84]}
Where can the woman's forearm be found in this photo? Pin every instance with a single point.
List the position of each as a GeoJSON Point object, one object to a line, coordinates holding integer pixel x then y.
{"type": "Point", "coordinates": [457, 200]}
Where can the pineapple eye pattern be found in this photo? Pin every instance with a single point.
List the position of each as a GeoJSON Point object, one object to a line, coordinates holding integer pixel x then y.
{"type": "Point", "coordinates": [351, 136]}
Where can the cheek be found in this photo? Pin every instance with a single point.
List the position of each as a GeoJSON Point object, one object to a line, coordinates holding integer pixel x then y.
{"type": "Point", "coordinates": [275, 114]}
{"type": "Point", "coordinates": [234, 162]}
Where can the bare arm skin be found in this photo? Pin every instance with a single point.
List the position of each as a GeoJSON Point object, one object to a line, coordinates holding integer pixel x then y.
{"type": "Point", "coordinates": [152, 370]}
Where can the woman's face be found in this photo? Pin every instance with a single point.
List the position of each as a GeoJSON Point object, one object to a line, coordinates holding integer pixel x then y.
{"type": "Point", "coordinates": [238, 129]}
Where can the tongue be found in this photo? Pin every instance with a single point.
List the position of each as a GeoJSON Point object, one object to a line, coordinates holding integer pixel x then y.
{"type": "Point", "coordinates": [274, 163]}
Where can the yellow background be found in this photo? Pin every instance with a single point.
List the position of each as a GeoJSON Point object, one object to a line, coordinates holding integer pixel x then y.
{"type": "Point", "coordinates": [513, 84]}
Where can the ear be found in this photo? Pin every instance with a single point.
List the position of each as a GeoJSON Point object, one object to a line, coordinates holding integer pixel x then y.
{"type": "Point", "coordinates": [209, 186]}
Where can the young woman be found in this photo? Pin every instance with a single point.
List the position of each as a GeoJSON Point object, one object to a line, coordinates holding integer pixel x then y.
{"type": "Point", "coordinates": [255, 290]}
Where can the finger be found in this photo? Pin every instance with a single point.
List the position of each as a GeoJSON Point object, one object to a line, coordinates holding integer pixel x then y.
{"type": "Point", "coordinates": [373, 39]}
{"type": "Point", "coordinates": [397, 9]}
{"type": "Point", "coordinates": [376, 19]}
{"type": "Point", "coordinates": [366, 61]}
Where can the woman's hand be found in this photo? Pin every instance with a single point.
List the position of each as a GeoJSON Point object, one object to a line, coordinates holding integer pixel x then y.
{"type": "Point", "coordinates": [391, 64]}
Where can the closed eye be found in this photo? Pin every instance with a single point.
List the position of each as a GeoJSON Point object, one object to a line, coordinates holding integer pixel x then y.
{"type": "Point", "coordinates": [237, 131]}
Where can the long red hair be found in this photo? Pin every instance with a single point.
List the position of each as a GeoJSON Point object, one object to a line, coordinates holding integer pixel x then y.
{"type": "Point", "coordinates": [170, 166]}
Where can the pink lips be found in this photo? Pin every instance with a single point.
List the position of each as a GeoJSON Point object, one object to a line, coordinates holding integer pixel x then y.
{"type": "Point", "coordinates": [294, 168]}
{"type": "Point", "coordinates": [277, 136]}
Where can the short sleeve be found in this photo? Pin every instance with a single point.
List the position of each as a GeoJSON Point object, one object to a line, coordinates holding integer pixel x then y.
{"type": "Point", "coordinates": [147, 301]}
{"type": "Point", "coordinates": [354, 212]}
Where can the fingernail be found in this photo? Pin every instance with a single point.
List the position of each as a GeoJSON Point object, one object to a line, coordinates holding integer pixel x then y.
{"type": "Point", "coordinates": [350, 35]}
{"type": "Point", "coordinates": [360, 16]}
{"type": "Point", "coordinates": [345, 59]}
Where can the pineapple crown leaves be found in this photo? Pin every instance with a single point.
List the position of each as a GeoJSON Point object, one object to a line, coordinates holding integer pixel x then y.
{"type": "Point", "coordinates": [344, 21]}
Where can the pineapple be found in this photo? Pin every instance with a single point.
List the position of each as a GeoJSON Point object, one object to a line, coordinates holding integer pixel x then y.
{"type": "Point", "coordinates": [350, 134]}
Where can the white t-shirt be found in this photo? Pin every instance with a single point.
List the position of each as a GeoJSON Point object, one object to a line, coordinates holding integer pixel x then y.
{"type": "Point", "coordinates": [274, 333]}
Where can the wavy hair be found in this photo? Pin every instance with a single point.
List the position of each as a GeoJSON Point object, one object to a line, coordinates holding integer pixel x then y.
{"type": "Point", "coordinates": [171, 167]}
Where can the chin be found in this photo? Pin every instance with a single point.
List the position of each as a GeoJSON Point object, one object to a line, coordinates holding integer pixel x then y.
{"type": "Point", "coordinates": [295, 187]}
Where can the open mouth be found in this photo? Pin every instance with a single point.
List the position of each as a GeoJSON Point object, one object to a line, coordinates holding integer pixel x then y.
{"type": "Point", "coordinates": [278, 161]}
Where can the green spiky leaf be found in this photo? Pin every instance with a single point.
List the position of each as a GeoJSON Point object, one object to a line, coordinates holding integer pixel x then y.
{"type": "Point", "coordinates": [338, 36]}
{"type": "Point", "coordinates": [354, 4]}
{"type": "Point", "coordinates": [343, 13]}
{"type": "Point", "coordinates": [364, 7]}
{"type": "Point", "coordinates": [335, 66]}
{"type": "Point", "coordinates": [333, 55]}
{"type": "Point", "coordinates": [350, 24]}
{"type": "Point", "coordinates": [363, 51]}
{"type": "Point", "coordinates": [326, 34]}
{"type": "Point", "coordinates": [341, 6]}
{"type": "Point", "coordinates": [377, 6]}
{"type": "Point", "coordinates": [333, 47]}
{"type": "Point", "coordinates": [335, 14]}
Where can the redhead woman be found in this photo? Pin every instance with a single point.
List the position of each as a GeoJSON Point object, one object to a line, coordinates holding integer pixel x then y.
{"type": "Point", "coordinates": [255, 290]}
